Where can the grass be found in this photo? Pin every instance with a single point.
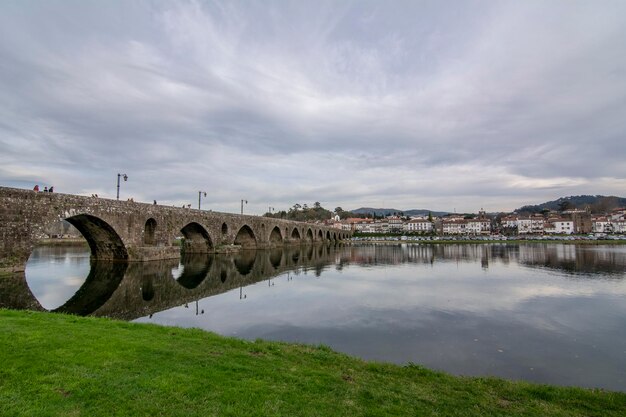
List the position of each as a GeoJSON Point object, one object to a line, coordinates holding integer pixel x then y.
{"type": "Point", "coordinates": [58, 365]}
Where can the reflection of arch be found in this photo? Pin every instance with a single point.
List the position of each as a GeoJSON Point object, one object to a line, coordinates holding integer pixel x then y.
{"type": "Point", "coordinates": [103, 240]}
{"type": "Point", "coordinates": [276, 256]}
{"type": "Point", "coordinates": [103, 279]}
{"type": "Point", "coordinates": [148, 232]}
{"type": "Point", "coordinates": [309, 235]}
{"type": "Point", "coordinates": [197, 239]}
{"type": "Point", "coordinates": [334, 236]}
{"type": "Point", "coordinates": [147, 288]}
{"type": "Point", "coordinates": [295, 234]}
{"type": "Point", "coordinates": [275, 236]}
{"type": "Point", "coordinates": [195, 269]}
{"type": "Point", "coordinates": [223, 276]}
{"type": "Point", "coordinates": [245, 237]}
{"type": "Point", "coordinates": [244, 261]}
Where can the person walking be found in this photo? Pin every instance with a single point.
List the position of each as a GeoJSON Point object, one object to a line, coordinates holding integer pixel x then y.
{"type": "Point", "coordinates": [36, 189]}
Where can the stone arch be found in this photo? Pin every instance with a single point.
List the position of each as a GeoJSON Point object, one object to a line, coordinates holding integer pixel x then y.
{"type": "Point", "coordinates": [149, 231]}
{"type": "Point", "coordinates": [275, 236]}
{"type": "Point", "coordinates": [335, 236]}
{"type": "Point", "coordinates": [309, 234]}
{"type": "Point", "coordinates": [328, 235]}
{"type": "Point", "coordinates": [320, 235]}
{"type": "Point", "coordinates": [197, 239]}
{"type": "Point", "coordinates": [103, 240]}
{"type": "Point", "coordinates": [245, 237]}
{"type": "Point", "coordinates": [295, 234]}
{"type": "Point", "coordinates": [224, 228]}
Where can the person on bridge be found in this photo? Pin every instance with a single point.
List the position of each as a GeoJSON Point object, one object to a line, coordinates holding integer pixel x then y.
{"type": "Point", "coordinates": [45, 189]}
{"type": "Point", "coordinates": [36, 189]}
{"type": "Point", "coordinates": [51, 189]}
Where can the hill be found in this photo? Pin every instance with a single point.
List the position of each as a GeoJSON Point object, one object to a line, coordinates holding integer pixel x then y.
{"type": "Point", "coordinates": [596, 203]}
{"type": "Point", "coordinates": [391, 211]}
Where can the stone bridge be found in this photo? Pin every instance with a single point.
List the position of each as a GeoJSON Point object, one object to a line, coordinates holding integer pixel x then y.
{"type": "Point", "coordinates": [129, 231]}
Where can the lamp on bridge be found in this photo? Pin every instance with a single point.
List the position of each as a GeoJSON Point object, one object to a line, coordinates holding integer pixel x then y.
{"type": "Point", "coordinates": [118, 183]}
{"type": "Point", "coordinates": [243, 201]}
{"type": "Point", "coordinates": [200, 193]}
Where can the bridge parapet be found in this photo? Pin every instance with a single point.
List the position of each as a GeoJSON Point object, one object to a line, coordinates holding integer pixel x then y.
{"type": "Point", "coordinates": [130, 231]}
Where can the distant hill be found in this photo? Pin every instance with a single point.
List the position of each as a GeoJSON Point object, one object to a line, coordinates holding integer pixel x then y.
{"type": "Point", "coordinates": [597, 204]}
{"type": "Point", "coordinates": [391, 211]}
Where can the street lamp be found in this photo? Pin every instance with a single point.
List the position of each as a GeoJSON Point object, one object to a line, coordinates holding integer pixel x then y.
{"type": "Point", "coordinates": [118, 183]}
{"type": "Point", "coordinates": [200, 195]}
{"type": "Point", "coordinates": [243, 201]}
{"type": "Point", "coordinates": [270, 209]}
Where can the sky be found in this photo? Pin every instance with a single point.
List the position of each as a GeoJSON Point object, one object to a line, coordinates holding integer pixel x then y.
{"type": "Point", "coordinates": [451, 106]}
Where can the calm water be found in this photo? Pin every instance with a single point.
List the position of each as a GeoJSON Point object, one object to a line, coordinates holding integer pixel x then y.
{"type": "Point", "coordinates": [540, 312]}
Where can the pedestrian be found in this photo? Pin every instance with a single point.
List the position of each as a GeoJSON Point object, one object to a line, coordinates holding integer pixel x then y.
{"type": "Point", "coordinates": [51, 189]}
{"type": "Point", "coordinates": [155, 202]}
{"type": "Point", "coordinates": [36, 189]}
{"type": "Point", "coordinates": [45, 189]}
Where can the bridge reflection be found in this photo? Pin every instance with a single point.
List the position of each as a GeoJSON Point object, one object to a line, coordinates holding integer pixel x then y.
{"type": "Point", "coordinates": [130, 290]}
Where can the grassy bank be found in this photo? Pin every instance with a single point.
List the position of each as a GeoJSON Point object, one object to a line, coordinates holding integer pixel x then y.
{"type": "Point", "coordinates": [56, 365]}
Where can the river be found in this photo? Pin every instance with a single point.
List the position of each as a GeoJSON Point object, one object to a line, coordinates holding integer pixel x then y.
{"type": "Point", "coordinates": [549, 313]}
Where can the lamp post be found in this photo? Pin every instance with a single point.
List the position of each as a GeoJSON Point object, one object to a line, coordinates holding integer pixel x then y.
{"type": "Point", "coordinates": [118, 183]}
{"type": "Point", "coordinates": [200, 195]}
{"type": "Point", "coordinates": [270, 209]}
{"type": "Point", "coordinates": [243, 201]}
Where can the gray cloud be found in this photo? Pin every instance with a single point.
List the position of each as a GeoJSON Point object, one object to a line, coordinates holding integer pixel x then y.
{"type": "Point", "coordinates": [414, 104]}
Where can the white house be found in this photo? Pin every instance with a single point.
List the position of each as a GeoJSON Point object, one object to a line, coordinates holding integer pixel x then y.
{"type": "Point", "coordinates": [418, 226]}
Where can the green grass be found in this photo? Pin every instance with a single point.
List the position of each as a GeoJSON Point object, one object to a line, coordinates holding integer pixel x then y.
{"type": "Point", "coordinates": [58, 365]}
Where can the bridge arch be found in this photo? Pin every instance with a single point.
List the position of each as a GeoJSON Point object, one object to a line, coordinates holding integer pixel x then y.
{"type": "Point", "coordinates": [197, 239]}
{"type": "Point", "coordinates": [309, 234]}
{"type": "Point", "coordinates": [103, 240]}
{"type": "Point", "coordinates": [149, 231]}
{"type": "Point", "coordinates": [328, 235]}
{"type": "Point", "coordinates": [275, 236]}
{"type": "Point", "coordinates": [245, 237]}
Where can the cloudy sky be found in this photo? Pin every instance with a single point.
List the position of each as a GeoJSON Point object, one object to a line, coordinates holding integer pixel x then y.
{"type": "Point", "coordinates": [403, 104]}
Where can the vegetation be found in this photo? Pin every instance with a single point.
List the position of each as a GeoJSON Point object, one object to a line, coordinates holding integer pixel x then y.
{"type": "Point", "coordinates": [595, 203]}
{"type": "Point", "coordinates": [58, 365]}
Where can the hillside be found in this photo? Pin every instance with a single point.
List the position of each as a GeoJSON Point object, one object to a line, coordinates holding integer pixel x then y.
{"type": "Point", "coordinates": [391, 211]}
{"type": "Point", "coordinates": [596, 203]}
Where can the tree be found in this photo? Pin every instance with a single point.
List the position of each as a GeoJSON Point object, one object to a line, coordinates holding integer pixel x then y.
{"type": "Point", "coordinates": [430, 217]}
{"type": "Point", "coordinates": [338, 210]}
{"type": "Point", "coordinates": [565, 205]}
{"type": "Point", "coordinates": [317, 205]}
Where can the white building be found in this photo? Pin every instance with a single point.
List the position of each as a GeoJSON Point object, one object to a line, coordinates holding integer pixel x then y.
{"type": "Point", "coordinates": [559, 226]}
{"type": "Point", "coordinates": [418, 226]}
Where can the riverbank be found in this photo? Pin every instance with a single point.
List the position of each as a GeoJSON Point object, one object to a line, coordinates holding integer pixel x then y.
{"type": "Point", "coordinates": [70, 241]}
{"type": "Point", "coordinates": [56, 365]}
{"type": "Point", "coordinates": [486, 241]}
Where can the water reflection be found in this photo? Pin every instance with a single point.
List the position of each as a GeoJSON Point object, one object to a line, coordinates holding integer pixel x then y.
{"type": "Point", "coordinates": [490, 309]}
